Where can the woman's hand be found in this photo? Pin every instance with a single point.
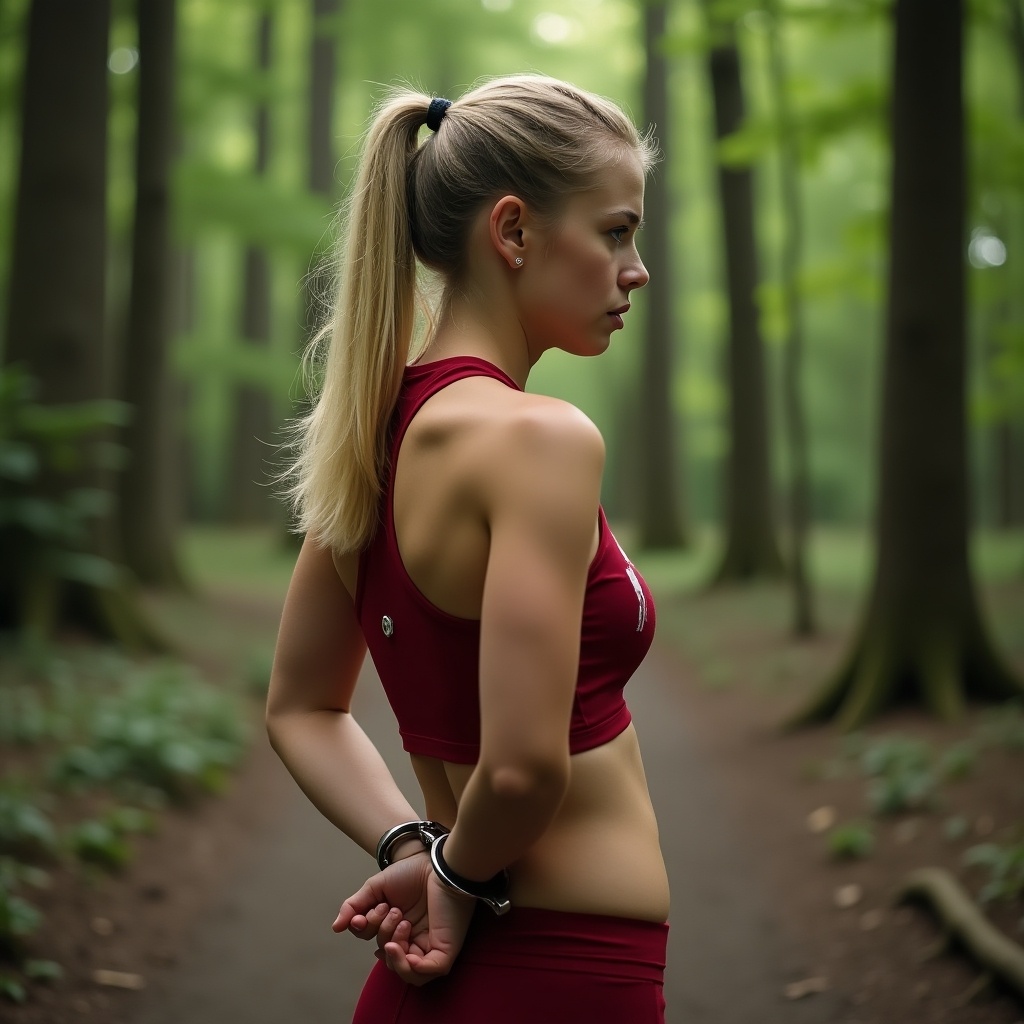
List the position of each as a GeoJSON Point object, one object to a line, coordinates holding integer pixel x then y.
{"type": "Point", "coordinates": [419, 925]}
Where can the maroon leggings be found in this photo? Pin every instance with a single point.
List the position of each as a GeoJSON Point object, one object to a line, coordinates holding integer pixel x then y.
{"type": "Point", "coordinates": [534, 967]}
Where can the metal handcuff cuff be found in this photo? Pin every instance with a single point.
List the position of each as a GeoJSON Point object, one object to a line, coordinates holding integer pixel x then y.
{"type": "Point", "coordinates": [433, 835]}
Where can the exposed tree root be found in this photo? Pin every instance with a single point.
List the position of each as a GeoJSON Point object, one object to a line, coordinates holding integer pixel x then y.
{"type": "Point", "coordinates": [964, 922]}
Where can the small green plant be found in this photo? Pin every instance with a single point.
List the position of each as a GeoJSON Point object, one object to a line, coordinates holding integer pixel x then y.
{"type": "Point", "coordinates": [43, 970]}
{"type": "Point", "coordinates": [958, 761]}
{"type": "Point", "coordinates": [18, 918]}
{"type": "Point", "coordinates": [852, 841]}
{"type": "Point", "coordinates": [25, 831]}
{"type": "Point", "coordinates": [902, 775]}
{"type": "Point", "coordinates": [12, 989]}
{"type": "Point", "coordinates": [1005, 866]}
{"type": "Point", "coordinates": [104, 842]}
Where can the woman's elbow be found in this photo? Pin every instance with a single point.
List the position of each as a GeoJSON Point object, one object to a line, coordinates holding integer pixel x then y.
{"type": "Point", "coordinates": [530, 779]}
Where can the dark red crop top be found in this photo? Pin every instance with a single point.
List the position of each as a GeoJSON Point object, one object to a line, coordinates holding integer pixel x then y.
{"type": "Point", "coordinates": [428, 660]}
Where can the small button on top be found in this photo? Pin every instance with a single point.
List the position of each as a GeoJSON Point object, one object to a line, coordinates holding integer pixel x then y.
{"type": "Point", "coordinates": [387, 626]}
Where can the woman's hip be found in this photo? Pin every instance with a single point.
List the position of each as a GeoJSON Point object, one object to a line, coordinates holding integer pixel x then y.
{"type": "Point", "coordinates": [537, 966]}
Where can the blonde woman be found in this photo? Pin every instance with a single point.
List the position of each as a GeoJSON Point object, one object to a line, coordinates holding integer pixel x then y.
{"type": "Point", "coordinates": [453, 528]}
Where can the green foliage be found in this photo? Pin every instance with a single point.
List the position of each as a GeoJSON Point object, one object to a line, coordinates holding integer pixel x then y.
{"type": "Point", "coordinates": [11, 988]}
{"type": "Point", "coordinates": [901, 773]}
{"type": "Point", "coordinates": [18, 918]}
{"type": "Point", "coordinates": [958, 761]}
{"type": "Point", "coordinates": [42, 449]}
{"type": "Point", "coordinates": [163, 729]}
{"type": "Point", "coordinates": [43, 970]}
{"type": "Point", "coordinates": [905, 773]}
{"type": "Point", "coordinates": [852, 841]}
{"type": "Point", "coordinates": [1005, 865]}
{"type": "Point", "coordinates": [25, 830]}
{"type": "Point", "coordinates": [104, 841]}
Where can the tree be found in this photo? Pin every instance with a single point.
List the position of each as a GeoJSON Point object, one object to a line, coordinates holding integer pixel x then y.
{"type": "Point", "coordinates": [751, 549]}
{"type": "Point", "coordinates": [55, 542]}
{"type": "Point", "coordinates": [660, 521]}
{"type": "Point", "coordinates": [247, 497]}
{"type": "Point", "coordinates": [922, 635]}
{"type": "Point", "coordinates": [792, 353]}
{"type": "Point", "coordinates": [150, 488]}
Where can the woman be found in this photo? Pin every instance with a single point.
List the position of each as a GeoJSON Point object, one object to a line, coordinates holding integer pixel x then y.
{"type": "Point", "coordinates": [453, 527]}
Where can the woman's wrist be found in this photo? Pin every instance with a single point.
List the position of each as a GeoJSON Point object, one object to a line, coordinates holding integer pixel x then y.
{"type": "Point", "coordinates": [407, 848]}
{"type": "Point", "coordinates": [406, 840]}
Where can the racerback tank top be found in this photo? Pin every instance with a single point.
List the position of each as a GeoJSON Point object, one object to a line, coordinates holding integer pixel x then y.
{"type": "Point", "coordinates": [428, 660]}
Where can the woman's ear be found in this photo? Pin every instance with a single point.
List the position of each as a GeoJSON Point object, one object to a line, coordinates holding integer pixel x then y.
{"type": "Point", "coordinates": [507, 225]}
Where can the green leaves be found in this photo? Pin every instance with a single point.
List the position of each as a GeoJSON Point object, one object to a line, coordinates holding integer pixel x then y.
{"type": "Point", "coordinates": [164, 729]}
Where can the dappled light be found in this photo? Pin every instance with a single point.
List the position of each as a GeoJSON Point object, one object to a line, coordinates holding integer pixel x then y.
{"type": "Point", "coordinates": [811, 422]}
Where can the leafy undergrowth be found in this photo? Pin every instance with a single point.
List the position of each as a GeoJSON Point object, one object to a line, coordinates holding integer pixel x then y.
{"type": "Point", "coordinates": [93, 746]}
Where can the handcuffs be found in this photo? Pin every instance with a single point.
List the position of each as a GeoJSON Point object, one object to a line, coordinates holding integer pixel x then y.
{"type": "Point", "coordinates": [433, 835]}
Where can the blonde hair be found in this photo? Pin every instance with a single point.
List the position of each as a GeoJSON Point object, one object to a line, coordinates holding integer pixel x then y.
{"type": "Point", "coordinates": [535, 137]}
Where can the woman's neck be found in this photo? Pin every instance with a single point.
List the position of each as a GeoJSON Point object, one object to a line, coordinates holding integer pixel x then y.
{"type": "Point", "coordinates": [461, 330]}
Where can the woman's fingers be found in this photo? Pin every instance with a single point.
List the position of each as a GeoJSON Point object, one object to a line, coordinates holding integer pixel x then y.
{"type": "Point", "coordinates": [363, 925]}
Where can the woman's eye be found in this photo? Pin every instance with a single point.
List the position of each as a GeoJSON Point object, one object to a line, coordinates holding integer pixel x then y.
{"type": "Point", "coordinates": [619, 234]}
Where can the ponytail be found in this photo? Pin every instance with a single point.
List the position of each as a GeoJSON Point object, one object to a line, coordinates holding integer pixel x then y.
{"type": "Point", "coordinates": [335, 476]}
{"type": "Point", "coordinates": [537, 137]}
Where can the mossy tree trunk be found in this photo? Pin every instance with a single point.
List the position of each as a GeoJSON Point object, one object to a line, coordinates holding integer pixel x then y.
{"type": "Point", "coordinates": [55, 326]}
{"type": "Point", "coordinates": [660, 519]}
{"type": "Point", "coordinates": [922, 637]}
{"type": "Point", "coordinates": [751, 550]}
{"type": "Point", "coordinates": [150, 491]}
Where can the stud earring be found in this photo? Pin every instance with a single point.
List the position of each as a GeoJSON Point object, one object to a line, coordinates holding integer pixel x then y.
{"type": "Point", "coordinates": [519, 261]}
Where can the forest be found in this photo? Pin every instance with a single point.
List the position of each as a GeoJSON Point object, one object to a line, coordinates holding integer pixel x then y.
{"type": "Point", "coordinates": [829, 357]}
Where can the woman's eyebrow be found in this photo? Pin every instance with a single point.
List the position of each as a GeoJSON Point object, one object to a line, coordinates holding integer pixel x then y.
{"type": "Point", "coordinates": [628, 215]}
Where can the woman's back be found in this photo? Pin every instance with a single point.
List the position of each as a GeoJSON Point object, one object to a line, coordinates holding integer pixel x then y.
{"type": "Point", "coordinates": [601, 852]}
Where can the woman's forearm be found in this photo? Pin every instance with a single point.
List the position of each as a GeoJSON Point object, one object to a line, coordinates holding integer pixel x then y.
{"type": "Point", "coordinates": [501, 815]}
{"type": "Point", "coordinates": [340, 770]}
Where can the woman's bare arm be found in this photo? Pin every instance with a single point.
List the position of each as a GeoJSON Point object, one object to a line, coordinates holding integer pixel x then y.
{"type": "Point", "coordinates": [320, 650]}
{"type": "Point", "coordinates": [541, 498]}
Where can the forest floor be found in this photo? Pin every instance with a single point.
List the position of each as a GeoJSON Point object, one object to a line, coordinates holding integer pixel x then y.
{"type": "Point", "coordinates": [725, 673]}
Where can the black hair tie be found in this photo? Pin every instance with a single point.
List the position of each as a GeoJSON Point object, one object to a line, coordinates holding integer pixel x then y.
{"type": "Point", "coordinates": [436, 111]}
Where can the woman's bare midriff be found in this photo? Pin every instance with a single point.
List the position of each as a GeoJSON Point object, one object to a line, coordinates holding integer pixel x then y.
{"type": "Point", "coordinates": [601, 853]}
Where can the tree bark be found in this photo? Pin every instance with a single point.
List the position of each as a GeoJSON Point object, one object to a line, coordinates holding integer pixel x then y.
{"type": "Point", "coordinates": [751, 550]}
{"type": "Point", "coordinates": [660, 518]}
{"type": "Point", "coordinates": [56, 308]}
{"type": "Point", "coordinates": [248, 497]}
{"type": "Point", "coordinates": [150, 492]}
{"type": "Point", "coordinates": [792, 353]}
{"type": "Point", "coordinates": [922, 637]}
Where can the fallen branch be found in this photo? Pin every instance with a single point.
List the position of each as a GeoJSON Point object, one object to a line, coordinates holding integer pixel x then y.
{"type": "Point", "coordinates": [963, 920]}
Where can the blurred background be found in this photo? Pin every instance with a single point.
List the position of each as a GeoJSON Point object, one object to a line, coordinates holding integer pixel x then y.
{"type": "Point", "coordinates": [816, 408]}
{"type": "Point", "coordinates": [202, 204]}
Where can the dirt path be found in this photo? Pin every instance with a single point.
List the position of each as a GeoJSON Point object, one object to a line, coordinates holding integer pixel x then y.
{"type": "Point", "coordinates": [263, 951]}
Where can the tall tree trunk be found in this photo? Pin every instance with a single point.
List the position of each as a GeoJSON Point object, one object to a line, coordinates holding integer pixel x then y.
{"type": "Point", "coordinates": [319, 282]}
{"type": "Point", "coordinates": [248, 498]}
{"type": "Point", "coordinates": [660, 518]}
{"type": "Point", "coordinates": [922, 636]}
{"type": "Point", "coordinates": [150, 492]}
{"type": "Point", "coordinates": [320, 141]}
{"type": "Point", "coordinates": [799, 506]}
{"type": "Point", "coordinates": [1009, 431]}
{"type": "Point", "coordinates": [751, 549]}
{"type": "Point", "coordinates": [56, 313]}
